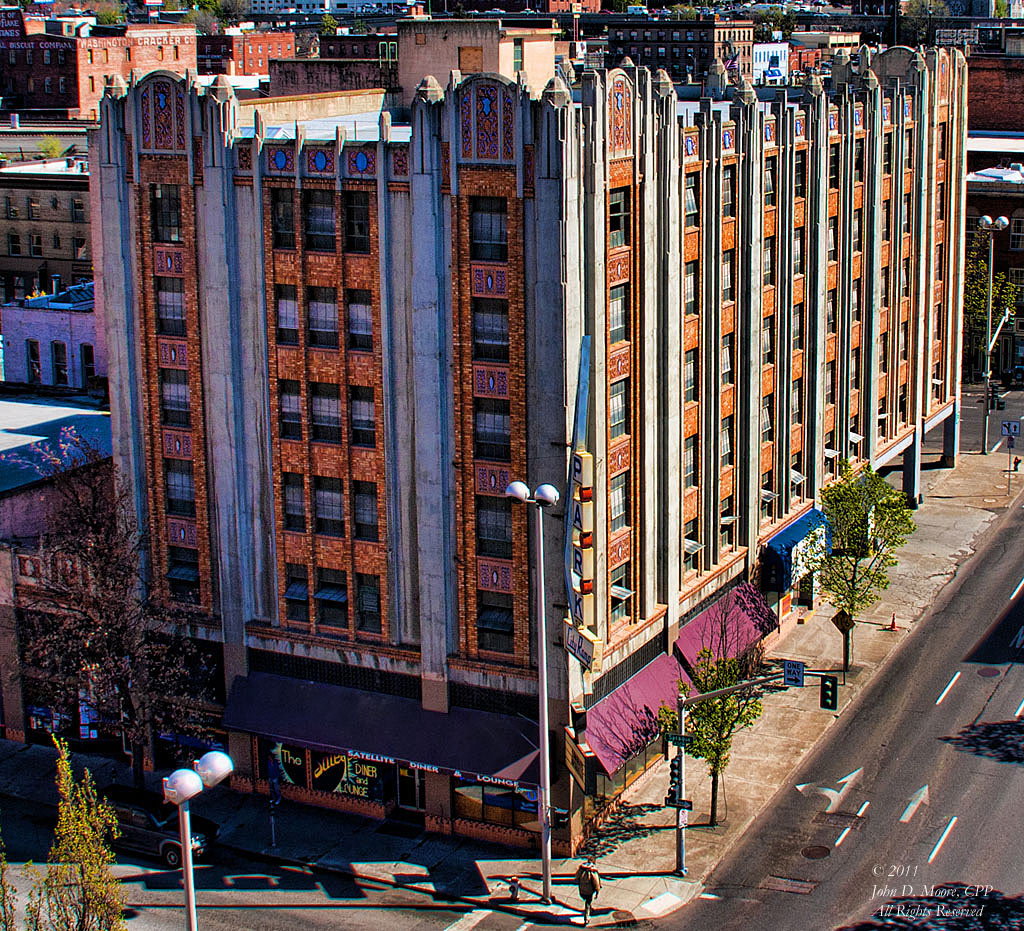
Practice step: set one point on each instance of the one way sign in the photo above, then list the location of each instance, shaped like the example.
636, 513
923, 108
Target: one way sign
793, 672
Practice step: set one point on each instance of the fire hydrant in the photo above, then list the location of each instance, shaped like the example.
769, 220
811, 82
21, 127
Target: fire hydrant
513, 889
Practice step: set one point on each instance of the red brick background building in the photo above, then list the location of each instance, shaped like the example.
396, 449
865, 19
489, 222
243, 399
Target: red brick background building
247, 53
62, 76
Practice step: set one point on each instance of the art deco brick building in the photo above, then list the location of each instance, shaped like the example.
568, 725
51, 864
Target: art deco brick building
331, 352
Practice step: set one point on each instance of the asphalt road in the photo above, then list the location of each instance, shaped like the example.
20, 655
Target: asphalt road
945, 714
237, 893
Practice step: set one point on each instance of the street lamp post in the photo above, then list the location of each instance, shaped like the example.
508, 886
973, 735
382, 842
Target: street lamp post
545, 496
989, 227
181, 786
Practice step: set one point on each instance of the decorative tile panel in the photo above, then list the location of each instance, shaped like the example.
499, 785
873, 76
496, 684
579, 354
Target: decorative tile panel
466, 124
173, 353
177, 444
147, 129
508, 127
618, 268
487, 121
489, 281
281, 158
244, 151
362, 162
831, 122
163, 115
197, 159
490, 381
168, 261
446, 165
528, 166
491, 480
619, 458
181, 532
129, 161
726, 138
494, 575
619, 551
319, 160
29, 567
858, 117
400, 161
179, 114
906, 108
618, 363
621, 115
799, 125
887, 111
769, 132
690, 146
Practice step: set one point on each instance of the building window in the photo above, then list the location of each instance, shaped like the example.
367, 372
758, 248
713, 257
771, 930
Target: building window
618, 501
767, 419
296, 594
290, 407
170, 306
618, 409
858, 230
692, 211
33, 208
619, 592
13, 212
318, 220
887, 220
59, 362
293, 486
725, 441
183, 574
78, 207
1017, 233
800, 174
34, 366
833, 167
490, 330
87, 358
325, 412
855, 301
618, 314
494, 622
908, 150
770, 174
360, 320
175, 398
940, 201
493, 527
690, 463
908, 214
858, 160
322, 308
618, 217
368, 603
690, 288
517, 55
492, 430
282, 217
286, 298
35, 245
768, 341
181, 491
691, 546
690, 375
728, 193
79, 247
728, 524
331, 597
726, 359
904, 340
832, 251
906, 277
798, 401
768, 495
364, 511
798, 326
357, 221
830, 311
887, 153
328, 506
48, 85
363, 413
13, 244
830, 382
488, 229
728, 289
769, 262
165, 208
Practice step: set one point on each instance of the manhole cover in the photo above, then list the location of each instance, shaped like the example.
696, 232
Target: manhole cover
817, 852
989, 672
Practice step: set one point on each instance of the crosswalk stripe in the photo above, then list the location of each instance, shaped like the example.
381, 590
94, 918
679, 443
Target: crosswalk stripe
469, 920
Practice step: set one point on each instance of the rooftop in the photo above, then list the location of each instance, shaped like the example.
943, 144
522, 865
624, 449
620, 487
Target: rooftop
50, 166
78, 297
1012, 175
995, 142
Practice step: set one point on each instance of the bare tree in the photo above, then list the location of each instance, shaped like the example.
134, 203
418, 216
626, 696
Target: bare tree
92, 631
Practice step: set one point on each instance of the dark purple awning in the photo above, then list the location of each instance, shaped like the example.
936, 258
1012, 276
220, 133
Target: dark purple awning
746, 617
464, 741
622, 724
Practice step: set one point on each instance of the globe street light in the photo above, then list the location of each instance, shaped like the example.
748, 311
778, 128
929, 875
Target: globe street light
989, 227
544, 497
179, 787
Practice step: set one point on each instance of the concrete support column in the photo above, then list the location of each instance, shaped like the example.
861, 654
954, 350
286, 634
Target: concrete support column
951, 436
912, 472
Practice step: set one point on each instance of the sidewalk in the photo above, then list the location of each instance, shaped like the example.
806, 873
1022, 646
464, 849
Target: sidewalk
636, 849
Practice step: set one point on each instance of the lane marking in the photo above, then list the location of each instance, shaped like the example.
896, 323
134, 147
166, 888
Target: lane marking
919, 798
942, 840
659, 905
952, 682
1020, 708
469, 920
1016, 591
1018, 641
708, 895
524, 926
842, 836
863, 808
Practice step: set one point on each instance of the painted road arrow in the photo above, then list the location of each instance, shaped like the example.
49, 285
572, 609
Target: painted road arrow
919, 798
835, 796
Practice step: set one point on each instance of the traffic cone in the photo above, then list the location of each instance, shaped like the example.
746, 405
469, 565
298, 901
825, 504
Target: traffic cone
892, 623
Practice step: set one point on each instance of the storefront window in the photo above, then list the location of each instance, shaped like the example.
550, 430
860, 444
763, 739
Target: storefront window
507, 805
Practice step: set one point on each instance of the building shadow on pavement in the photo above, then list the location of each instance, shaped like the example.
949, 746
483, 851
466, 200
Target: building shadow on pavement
1002, 741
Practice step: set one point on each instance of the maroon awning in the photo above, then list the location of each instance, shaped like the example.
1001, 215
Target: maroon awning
746, 617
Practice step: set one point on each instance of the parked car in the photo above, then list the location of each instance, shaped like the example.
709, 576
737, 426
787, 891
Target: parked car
149, 825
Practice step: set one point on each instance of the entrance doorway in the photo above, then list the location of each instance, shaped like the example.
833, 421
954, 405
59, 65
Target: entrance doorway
411, 788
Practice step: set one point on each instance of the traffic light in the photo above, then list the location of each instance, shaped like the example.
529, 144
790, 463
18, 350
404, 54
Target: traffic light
996, 402
675, 777
829, 696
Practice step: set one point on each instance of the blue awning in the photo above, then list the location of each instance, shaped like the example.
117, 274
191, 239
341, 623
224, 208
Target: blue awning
773, 73
785, 555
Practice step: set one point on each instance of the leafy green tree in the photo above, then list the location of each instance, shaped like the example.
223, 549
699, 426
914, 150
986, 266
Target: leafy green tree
8, 895
620, 6
204, 21
918, 19
109, 13
78, 890
685, 12
869, 521
1001, 9
328, 25
1004, 300
51, 147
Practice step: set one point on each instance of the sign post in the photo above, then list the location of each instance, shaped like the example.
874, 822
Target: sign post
682, 816
1011, 430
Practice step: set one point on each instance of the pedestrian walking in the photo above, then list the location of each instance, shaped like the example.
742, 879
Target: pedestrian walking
588, 879
274, 779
